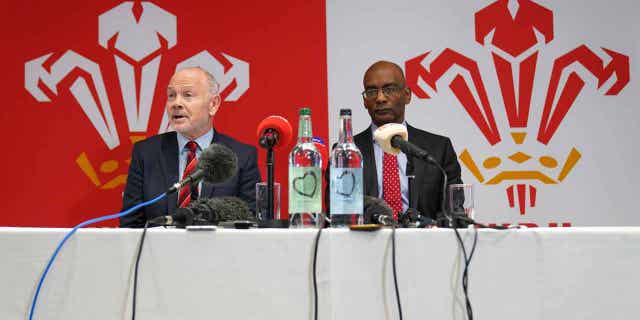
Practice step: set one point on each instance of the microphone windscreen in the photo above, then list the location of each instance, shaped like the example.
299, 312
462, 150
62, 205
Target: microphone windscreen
202, 211
183, 216
279, 124
218, 162
374, 206
230, 209
384, 134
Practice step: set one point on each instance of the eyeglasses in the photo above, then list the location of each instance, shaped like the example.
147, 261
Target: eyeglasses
388, 91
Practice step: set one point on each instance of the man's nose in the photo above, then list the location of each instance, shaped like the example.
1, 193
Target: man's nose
177, 103
381, 97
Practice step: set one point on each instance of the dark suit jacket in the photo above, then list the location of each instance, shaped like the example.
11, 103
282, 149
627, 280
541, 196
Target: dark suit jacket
154, 168
427, 192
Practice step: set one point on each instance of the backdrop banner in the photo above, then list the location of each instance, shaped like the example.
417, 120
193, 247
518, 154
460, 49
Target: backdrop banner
539, 98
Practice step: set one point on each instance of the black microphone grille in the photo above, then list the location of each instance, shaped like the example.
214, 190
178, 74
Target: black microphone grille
396, 141
218, 162
230, 209
375, 206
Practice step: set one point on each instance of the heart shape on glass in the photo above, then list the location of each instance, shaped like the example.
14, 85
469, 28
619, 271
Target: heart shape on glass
345, 191
299, 183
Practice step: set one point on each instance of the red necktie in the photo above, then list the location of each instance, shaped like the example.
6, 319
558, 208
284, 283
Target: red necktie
184, 198
391, 183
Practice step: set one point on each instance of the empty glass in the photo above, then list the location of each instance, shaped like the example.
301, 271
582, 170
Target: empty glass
461, 199
262, 205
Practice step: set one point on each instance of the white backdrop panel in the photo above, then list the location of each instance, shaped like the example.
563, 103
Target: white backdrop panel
602, 128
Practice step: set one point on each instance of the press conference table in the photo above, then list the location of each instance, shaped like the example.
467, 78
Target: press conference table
542, 273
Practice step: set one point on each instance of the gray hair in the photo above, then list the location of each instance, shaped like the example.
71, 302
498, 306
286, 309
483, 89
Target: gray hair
214, 86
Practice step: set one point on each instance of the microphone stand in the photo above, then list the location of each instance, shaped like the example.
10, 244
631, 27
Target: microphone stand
268, 141
408, 218
444, 218
270, 214
410, 179
412, 217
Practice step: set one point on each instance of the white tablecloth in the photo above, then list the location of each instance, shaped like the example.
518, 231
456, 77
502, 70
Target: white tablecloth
556, 273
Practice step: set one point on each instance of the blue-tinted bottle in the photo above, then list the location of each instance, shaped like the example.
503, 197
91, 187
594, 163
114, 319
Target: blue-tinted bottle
345, 191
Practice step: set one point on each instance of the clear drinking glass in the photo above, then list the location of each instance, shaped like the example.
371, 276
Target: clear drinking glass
461, 199
261, 202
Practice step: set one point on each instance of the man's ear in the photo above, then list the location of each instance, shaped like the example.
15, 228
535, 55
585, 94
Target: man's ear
214, 104
407, 94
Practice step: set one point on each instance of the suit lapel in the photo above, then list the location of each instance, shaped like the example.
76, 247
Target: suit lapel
169, 164
364, 141
208, 188
418, 168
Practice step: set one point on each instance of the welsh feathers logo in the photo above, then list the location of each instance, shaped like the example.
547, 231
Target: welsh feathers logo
137, 35
514, 32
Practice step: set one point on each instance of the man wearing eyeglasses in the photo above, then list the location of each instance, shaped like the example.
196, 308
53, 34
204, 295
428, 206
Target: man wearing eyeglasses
385, 96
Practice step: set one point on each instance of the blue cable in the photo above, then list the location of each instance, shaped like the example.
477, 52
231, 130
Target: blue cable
70, 233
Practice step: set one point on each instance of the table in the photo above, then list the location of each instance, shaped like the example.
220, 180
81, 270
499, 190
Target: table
538, 273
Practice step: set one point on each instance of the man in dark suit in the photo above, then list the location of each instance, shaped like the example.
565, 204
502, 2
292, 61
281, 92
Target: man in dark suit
158, 162
385, 96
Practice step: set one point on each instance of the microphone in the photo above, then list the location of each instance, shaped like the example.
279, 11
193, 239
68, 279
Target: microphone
232, 212
208, 211
392, 138
230, 209
182, 217
413, 219
216, 164
377, 210
196, 213
274, 132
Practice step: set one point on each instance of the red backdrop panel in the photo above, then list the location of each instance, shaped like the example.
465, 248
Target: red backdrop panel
284, 44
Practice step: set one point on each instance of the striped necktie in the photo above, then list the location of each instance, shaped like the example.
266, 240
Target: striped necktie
189, 191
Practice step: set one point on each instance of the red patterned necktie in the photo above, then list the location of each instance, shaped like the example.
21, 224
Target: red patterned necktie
391, 183
184, 198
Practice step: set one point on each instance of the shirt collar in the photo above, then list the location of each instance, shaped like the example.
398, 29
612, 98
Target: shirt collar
203, 141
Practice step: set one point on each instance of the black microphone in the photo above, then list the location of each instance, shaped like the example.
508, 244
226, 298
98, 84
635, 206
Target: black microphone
392, 138
232, 212
413, 219
377, 210
182, 217
208, 211
411, 149
199, 212
216, 164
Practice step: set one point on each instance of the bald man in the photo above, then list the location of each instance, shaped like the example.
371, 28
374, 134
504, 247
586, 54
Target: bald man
159, 161
385, 97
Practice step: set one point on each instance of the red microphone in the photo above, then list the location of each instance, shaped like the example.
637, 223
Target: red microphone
274, 132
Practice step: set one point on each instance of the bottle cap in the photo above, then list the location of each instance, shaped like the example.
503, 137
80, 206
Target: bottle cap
305, 112
345, 112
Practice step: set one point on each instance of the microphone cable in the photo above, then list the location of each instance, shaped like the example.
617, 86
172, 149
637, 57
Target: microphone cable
315, 280
135, 272
465, 273
393, 263
70, 233
453, 223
